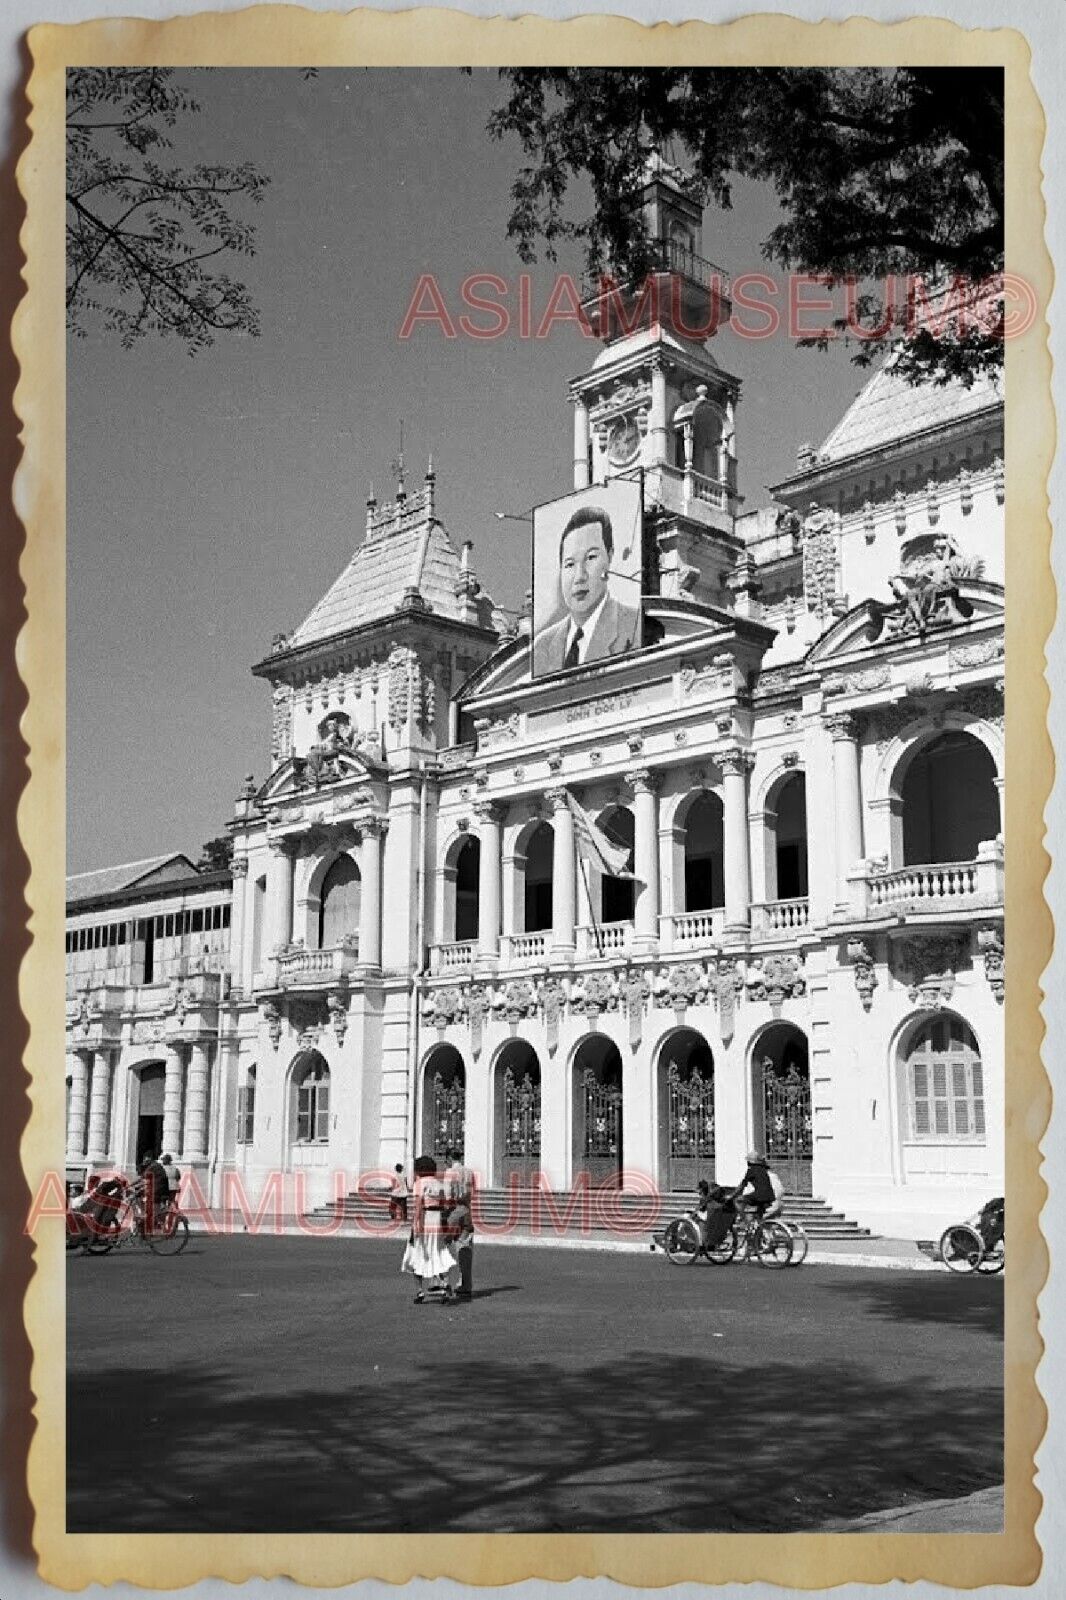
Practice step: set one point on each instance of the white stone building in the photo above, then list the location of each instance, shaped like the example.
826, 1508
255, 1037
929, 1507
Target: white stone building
806, 757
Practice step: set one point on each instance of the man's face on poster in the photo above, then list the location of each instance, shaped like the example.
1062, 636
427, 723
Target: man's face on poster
584, 568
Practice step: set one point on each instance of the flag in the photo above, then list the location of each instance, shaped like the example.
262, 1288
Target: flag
593, 845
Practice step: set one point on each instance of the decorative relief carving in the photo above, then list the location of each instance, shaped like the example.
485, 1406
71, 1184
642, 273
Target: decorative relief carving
734, 762
636, 991
841, 725
593, 993
999, 482
990, 944
681, 986
930, 960
337, 1006
790, 758
281, 728
478, 999
864, 681
984, 700
552, 1000
503, 730
699, 682
861, 958
961, 656
555, 760
516, 1001
776, 978
820, 539
443, 1008
272, 1017
399, 685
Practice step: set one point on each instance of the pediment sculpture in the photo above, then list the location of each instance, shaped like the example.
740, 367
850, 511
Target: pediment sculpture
926, 594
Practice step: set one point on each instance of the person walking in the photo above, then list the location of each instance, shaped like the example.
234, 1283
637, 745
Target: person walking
399, 1194
460, 1230
426, 1256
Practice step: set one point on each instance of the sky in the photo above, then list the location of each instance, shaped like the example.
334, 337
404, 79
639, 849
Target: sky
211, 500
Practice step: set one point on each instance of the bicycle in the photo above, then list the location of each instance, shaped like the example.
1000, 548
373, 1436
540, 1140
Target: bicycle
800, 1241
767, 1241
683, 1243
963, 1249
168, 1237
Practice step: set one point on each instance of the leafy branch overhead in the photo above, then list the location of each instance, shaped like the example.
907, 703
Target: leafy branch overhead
877, 171
149, 241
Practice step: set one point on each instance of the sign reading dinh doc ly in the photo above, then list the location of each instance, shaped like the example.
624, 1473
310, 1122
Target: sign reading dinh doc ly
587, 566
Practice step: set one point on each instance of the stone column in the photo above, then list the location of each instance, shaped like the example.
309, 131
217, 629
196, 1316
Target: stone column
100, 1107
194, 1142
564, 883
581, 442
172, 1085
78, 1110
489, 818
657, 423
847, 797
237, 920
370, 893
736, 765
646, 786
280, 879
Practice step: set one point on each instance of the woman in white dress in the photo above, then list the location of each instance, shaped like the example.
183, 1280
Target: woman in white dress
427, 1256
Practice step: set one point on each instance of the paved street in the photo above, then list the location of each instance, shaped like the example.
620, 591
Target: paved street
291, 1385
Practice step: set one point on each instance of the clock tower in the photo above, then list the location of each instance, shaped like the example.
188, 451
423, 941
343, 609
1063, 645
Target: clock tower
656, 402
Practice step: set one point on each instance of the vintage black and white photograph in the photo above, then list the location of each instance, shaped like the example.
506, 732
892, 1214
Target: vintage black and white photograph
535, 957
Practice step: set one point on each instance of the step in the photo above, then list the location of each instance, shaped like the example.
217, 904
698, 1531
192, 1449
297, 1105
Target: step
496, 1207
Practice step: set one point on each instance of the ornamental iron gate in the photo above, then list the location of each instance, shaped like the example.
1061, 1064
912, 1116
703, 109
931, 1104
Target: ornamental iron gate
448, 1109
690, 1126
787, 1128
603, 1129
521, 1125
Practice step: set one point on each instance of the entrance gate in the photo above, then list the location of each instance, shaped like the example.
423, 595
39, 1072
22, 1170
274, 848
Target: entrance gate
690, 1126
521, 1125
786, 1096
603, 1128
448, 1116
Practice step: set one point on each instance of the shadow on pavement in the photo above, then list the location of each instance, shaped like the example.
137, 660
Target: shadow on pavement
945, 1299
677, 1444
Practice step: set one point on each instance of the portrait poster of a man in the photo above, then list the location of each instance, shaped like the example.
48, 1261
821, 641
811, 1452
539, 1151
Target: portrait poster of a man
586, 577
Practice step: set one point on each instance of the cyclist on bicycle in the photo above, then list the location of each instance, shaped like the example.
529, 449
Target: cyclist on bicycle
152, 1190
715, 1213
764, 1198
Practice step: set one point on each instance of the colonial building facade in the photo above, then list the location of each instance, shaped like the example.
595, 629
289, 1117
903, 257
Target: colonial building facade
805, 760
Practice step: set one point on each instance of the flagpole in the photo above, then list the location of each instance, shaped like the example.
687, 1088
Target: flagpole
588, 897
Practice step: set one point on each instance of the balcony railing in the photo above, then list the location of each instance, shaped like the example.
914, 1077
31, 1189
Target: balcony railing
604, 939
776, 918
682, 489
455, 957
520, 949
932, 886
312, 968
687, 929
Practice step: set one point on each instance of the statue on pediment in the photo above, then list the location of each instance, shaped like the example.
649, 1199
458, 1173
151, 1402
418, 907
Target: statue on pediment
333, 753
926, 594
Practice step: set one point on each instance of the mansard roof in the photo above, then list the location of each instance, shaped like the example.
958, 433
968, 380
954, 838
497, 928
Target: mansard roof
147, 874
888, 409
406, 556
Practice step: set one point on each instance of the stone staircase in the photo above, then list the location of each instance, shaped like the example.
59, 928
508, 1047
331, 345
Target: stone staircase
599, 1214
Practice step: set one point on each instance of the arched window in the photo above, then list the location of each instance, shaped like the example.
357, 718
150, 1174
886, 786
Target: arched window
944, 1082
311, 1086
246, 1109
950, 801
618, 894
467, 876
540, 853
338, 912
704, 873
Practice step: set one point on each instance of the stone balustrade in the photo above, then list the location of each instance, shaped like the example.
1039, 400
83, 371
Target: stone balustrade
316, 968
929, 886
519, 949
457, 956
605, 939
687, 929
780, 918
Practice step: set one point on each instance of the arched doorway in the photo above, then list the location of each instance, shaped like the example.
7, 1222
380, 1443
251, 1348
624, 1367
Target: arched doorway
618, 895
949, 800
598, 1112
704, 858
517, 1113
686, 1110
444, 1106
781, 1092
150, 1089
540, 855
790, 840
467, 878
338, 911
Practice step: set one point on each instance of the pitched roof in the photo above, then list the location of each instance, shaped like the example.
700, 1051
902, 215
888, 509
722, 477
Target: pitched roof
888, 408
107, 881
406, 553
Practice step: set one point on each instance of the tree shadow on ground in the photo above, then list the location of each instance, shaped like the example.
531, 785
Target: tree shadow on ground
647, 1443
975, 1301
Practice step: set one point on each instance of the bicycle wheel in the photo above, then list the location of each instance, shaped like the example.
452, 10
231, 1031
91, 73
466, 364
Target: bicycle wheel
961, 1248
800, 1243
681, 1241
101, 1240
724, 1251
993, 1260
170, 1238
773, 1245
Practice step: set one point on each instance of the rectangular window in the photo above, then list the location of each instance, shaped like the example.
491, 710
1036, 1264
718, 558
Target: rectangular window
946, 1099
246, 1113
197, 922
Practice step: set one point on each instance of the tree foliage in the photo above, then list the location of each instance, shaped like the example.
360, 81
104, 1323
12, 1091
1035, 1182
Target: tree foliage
149, 240
878, 172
